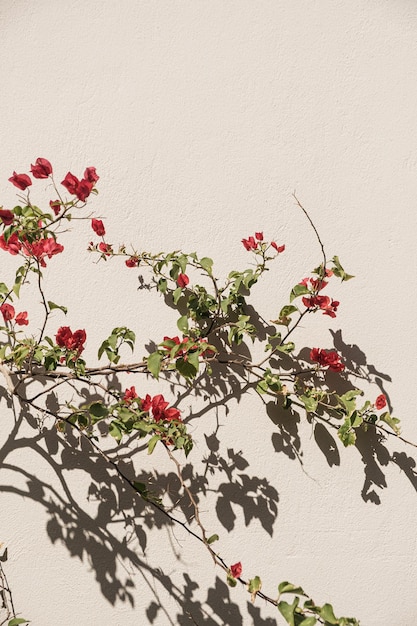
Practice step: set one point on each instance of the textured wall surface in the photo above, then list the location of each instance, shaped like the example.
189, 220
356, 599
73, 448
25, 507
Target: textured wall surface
202, 118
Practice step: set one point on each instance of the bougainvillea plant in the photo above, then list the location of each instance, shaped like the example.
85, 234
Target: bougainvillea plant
213, 321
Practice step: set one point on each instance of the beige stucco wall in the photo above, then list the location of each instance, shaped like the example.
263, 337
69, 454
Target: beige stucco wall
202, 118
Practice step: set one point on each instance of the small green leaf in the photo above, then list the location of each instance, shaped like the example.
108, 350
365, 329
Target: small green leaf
287, 610
97, 409
18, 620
286, 587
154, 364
207, 264
326, 613
176, 295
53, 306
298, 290
232, 582
212, 539
310, 403
308, 621
152, 443
182, 324
254, 585
391, 421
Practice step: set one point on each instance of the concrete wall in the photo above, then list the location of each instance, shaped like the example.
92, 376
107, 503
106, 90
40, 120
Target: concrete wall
202, 118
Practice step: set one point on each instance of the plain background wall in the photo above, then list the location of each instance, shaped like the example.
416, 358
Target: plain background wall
202, 118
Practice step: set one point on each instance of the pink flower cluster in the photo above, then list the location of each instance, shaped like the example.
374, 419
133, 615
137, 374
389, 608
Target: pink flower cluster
8, 312
157, 405
328, 359
253, 243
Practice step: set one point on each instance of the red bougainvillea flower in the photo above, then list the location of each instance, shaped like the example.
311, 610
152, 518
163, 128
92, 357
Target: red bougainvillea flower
21, 181
6, 217
380, 402
42, 248
83, 190
328, 359
98, 227
278, 248
236, 570
328, 306
55, 206
250, 243
159, 408
65, 338
12, 245
91, 175
182, 280
129, 395
105, 248
71, 183
41, 169
22, 319
7, 310
132, 262
259, 236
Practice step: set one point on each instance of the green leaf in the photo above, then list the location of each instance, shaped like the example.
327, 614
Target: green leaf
287, 348
115, 431
339, 271
53, 306
18, 620
310, 403
309, 621
182, 324
207, 264
97, 409
187, 368
286, 587
254, 585
212, 539
176, 295
326, 613
232, 582
152, 443
154, 364
287, 310
4, 288
287, 610
298, 290
391, 421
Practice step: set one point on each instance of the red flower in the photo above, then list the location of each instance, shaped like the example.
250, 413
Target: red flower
7, 310
146, 403
250, 243
380, 402
259, 236
22, 319
12, 245
130, 394
236, 570
65, 338
328, 359
278, 248
22, 181
6, 217
159, 407
42, 169
182, 280
71, 183
83, 189
98, 227
132, 262
105, 248
42, 248
91, 175
329, 307
55, 206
